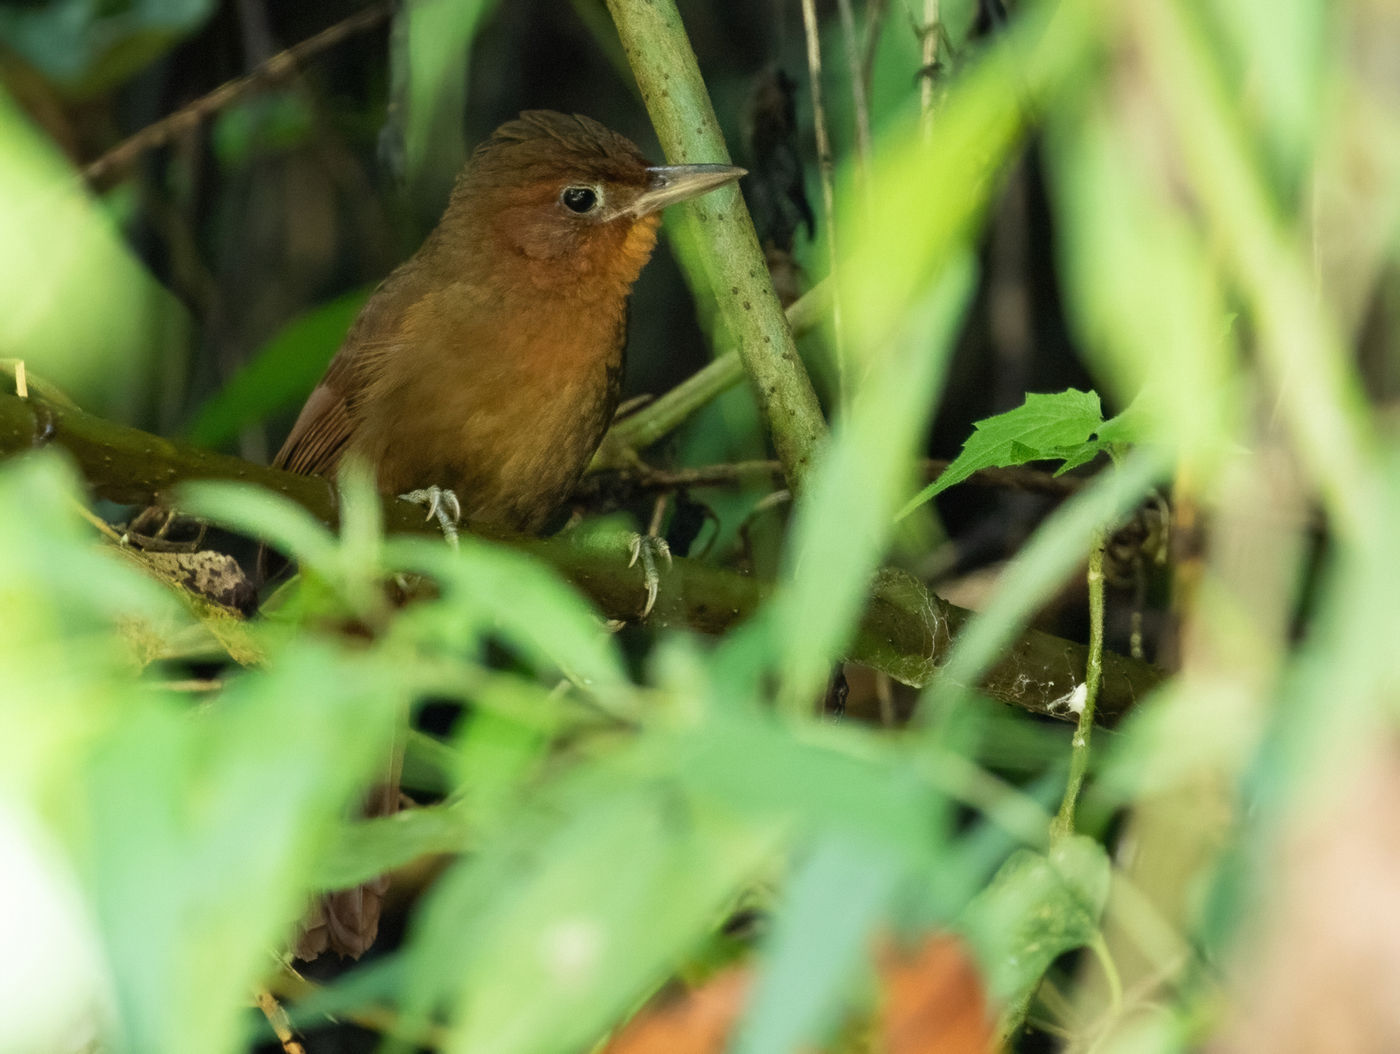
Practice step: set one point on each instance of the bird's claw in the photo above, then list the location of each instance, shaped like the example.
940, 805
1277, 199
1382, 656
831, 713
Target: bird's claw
646, 548
443, 505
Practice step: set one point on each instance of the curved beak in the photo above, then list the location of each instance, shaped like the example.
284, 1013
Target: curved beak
668, 184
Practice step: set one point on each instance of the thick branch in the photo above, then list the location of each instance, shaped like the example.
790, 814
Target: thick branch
133, 467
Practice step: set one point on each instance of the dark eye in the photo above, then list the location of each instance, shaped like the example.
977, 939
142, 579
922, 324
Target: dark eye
579, 199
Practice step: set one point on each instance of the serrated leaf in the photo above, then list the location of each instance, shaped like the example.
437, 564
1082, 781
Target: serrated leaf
1037, 907
1044, 427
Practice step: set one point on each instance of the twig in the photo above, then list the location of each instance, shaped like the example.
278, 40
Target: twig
289, 984
824, 169
665, 68
639, 476
1063, 824
859, 95
277, 1018
191, 115
874, 16
930, 32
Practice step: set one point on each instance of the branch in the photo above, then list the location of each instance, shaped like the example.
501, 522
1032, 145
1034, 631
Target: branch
132, 467
639, 478
278, 67
675, 96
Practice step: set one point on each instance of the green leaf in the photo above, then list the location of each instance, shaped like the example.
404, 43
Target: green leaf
371, 847
429, 60
88, 46
1037, 907
200, 829
281, 373
264, 515
819, 945
77, 305
606, 889
489, 589
1043, 428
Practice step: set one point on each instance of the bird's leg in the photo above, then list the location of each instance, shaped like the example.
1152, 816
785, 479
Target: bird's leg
648, 549
443, 505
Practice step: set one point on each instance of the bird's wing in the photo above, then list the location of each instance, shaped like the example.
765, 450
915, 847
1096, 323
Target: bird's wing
326, 423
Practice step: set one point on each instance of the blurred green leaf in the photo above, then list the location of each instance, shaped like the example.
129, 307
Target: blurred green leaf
66, 599
428, 764
204, 828
264, 515
489, 589
837, 543
368, 848
819, 944
430, 49
54, 991
91, 46
1281, 50
603, 900
281, 374
1038, 907
76, 304
1155, 321
269, 123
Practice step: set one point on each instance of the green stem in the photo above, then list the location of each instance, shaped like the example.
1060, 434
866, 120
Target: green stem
640, 430
1063, 824
664, 65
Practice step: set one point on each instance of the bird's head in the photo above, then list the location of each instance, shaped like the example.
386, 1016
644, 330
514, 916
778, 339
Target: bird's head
569, 203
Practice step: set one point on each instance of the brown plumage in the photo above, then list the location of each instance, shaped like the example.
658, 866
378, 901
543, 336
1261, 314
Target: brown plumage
489, 363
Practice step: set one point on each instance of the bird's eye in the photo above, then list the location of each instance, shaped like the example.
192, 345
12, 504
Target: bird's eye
579, 199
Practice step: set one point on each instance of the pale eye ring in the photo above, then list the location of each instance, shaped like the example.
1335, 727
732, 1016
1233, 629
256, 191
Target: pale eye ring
581, 200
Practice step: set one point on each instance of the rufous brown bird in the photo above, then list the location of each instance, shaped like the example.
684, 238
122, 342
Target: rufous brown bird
481, 375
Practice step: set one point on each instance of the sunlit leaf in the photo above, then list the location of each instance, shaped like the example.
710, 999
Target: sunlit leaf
1043, 428
76, 304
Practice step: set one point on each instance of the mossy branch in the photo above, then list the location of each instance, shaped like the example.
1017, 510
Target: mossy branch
674, 92
133, 467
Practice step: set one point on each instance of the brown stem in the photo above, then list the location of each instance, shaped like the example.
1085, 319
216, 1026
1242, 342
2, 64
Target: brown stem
278, 67
640, 478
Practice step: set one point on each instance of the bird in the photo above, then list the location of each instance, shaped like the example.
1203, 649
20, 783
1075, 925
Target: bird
481, 375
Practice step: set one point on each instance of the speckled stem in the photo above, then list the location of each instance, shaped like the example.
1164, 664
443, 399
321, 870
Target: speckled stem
664, 64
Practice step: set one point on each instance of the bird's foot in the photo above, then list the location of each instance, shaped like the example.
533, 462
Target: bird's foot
648, 549
443, 505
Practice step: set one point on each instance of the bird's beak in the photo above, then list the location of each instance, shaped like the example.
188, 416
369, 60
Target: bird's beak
668, 184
